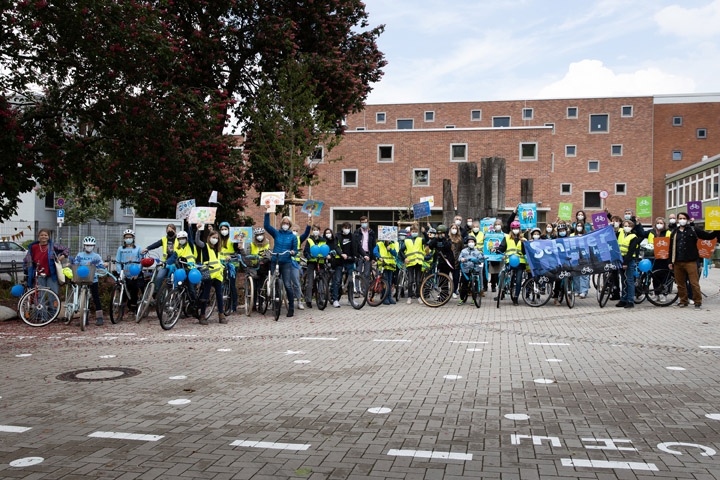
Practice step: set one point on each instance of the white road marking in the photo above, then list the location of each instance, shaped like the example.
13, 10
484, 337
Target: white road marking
431, 454
517, 416
710, 346
553, 360
318, 338
107, 356
679, 369
464, 341
13, 428
570, 462
26, 462
548, 343
127, 436
301, 361
379, 410
474, 349
543, 380
22, 355
224, 350
452, 377
179, 401
292, 352
178, 377
713, 416
270, 445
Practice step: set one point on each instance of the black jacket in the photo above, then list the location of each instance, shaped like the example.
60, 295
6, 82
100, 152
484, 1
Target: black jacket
683, 243
357, 240
345, 245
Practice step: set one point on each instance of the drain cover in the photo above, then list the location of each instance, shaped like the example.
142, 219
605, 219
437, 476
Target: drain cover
101, 374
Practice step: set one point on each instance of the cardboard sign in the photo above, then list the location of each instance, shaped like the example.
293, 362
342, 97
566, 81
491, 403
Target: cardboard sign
643, 207
565, 211
430, 199
487, 225
240, 234
694, 210
527, 215
661, 247
712, 218
312, 207
270, 200
202, 215
421, 210
706, 248
387, 232
599, 220
182, 209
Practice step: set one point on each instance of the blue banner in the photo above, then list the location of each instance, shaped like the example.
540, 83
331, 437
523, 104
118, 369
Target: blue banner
595, 252
527, 215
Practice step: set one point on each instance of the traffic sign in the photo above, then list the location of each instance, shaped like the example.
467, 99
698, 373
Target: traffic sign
60, 213
604, 194
60, 202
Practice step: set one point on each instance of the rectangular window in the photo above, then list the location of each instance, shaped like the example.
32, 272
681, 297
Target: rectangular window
458, 152
591, 200
616, 150
620, 188
677, 121
677, 155
380, 117
405, 124
129, 212
360, 129
421, 177
50, 201
528, 151
626, 111
702, 133
349, 178
429, 116
572, 112
449, 126
475, 115
599, 123
551, 125
385, 154
317, 156
566, 189
570, 150
593, 165
527, 113
501, 122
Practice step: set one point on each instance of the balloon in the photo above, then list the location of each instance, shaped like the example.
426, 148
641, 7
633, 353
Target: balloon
135, 270
314, 251
645, 265
147, 262
17, 290
67, 271
180, 275
83, 271
514, 261
324, 250
194, 276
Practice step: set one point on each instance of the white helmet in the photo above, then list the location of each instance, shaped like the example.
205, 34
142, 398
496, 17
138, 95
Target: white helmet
129, 232
89, 241
182, 234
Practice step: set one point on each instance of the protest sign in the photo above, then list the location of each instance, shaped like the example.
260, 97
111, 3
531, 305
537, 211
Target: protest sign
182, 209
202, 215
312, 207
643, 207
387, 232
490, 243
599, 220
421, 210
565, 211
527, 215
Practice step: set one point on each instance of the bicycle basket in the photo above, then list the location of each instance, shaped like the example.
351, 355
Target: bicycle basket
87, 279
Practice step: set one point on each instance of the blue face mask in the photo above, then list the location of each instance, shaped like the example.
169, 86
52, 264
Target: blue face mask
129, 241
562, 234
364, 225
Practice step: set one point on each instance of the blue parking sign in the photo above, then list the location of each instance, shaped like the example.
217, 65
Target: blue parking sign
60, 213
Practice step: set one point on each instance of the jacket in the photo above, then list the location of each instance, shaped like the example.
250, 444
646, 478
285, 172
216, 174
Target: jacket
357, 237
683, 243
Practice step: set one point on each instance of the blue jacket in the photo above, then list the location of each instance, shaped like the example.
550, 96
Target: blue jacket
284, 240
54, 250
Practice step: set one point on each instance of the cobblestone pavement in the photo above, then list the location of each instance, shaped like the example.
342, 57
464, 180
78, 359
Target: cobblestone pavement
398, 392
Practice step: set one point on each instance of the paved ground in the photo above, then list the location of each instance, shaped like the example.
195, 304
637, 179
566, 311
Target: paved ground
633, 394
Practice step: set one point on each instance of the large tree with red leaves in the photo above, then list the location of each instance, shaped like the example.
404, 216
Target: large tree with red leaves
135, 98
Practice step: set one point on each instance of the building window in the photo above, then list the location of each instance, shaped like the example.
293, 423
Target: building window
429, 116
50, 201
405, 124
526, 190
594, 166
449, 126
572, 112
360, 129
129, 212
620, 188
677, 155
458, 152
317, 156
380, 117
616, 150
385, 154
702, 133
475, 115
677, 121
528, 151
552, 125
349, 178
527, 113
501, 122
599, 123
566, 189
421, 177
626, 111
591, 200
570, 150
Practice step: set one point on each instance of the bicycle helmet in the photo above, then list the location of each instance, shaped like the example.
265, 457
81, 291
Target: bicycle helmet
259, 231
561, 226
432, 231
182, 234
470, 238
225, 224
129, 232
441, 228
89, 241
535, 230
515, 224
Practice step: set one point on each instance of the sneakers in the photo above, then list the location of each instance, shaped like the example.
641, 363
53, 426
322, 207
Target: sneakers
99, 322
455, 295
336, 304
691, 302
301, 306
420, 300
461, 302
409, 300
630, 305
203, 320
582, 295
308, 304
621, 303
682, 305
698, 306
222, 318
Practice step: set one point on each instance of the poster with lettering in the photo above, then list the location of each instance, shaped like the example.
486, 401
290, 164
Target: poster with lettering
695, 210
527, 215
712, 218
312, 207
643, 207
421, 210
491, 242
202, 215
486, 225
241, 234
182, 209
565, 211
599, 220
387, 232
706, 248
661, 247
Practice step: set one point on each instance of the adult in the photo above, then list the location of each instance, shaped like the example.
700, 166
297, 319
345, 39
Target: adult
364, 240
629, 244
458, 244
684, 257
285, 241
41, 255
228, 249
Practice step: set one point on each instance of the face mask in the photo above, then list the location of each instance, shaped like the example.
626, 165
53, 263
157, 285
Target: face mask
171, 234
536, 236
627, 229
562, 234
579, 228
581, 217
316, 233
672, 221
224, 232
469, 224
285, 227
214, 240
89, 248
414, 234
616, 224
627, 216
498, 228
659, 226
346, 231
548, 229
682, 222
471, 245
458, 222
182, 241
516, 231
476, 229
364, 225
260, 238
129, 241
430, 235
328, 236
453, 231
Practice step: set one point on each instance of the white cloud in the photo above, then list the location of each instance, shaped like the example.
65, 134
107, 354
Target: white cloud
690, 22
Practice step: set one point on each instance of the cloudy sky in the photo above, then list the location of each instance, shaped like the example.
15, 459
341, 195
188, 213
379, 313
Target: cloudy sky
465, 50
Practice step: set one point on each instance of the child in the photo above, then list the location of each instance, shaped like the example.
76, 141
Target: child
471, 260
386, 255
128, 253
89, 257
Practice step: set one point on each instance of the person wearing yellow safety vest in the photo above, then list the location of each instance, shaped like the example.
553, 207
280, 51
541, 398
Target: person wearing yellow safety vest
297, 289
386, 254
314, 240
412, 254
168, 244
659, 231
227, 249
512, 244
629, 244
258, 248
209, 255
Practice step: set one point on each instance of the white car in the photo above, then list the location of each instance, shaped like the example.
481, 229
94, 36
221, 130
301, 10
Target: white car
10, 251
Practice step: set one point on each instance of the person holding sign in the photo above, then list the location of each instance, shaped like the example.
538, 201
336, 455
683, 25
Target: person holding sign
629, 244
660, 262
512, 244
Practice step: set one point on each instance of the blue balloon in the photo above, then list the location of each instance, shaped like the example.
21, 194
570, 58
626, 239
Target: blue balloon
324, 250
514, 261
314, 251
17, 290
194, 276
83, 271
645, 265
135, 270
180, 275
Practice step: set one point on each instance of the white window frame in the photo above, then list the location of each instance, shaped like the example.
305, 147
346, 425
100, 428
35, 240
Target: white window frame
384, 119
397, 126
128, 212
678, 159
502, 116
570, 154
392, 153
479, 119
585, 207
529, 110
622, 111
577, 113
551, 125
598, 132
452, 158
613, 154
704, 130
316, 161
414, 177
598, 166
349, 185
679, 123
432, 113
569, 192
624, 189
528, 159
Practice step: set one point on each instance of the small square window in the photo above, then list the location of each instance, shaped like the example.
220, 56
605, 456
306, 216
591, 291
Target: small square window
360, 129
349, 178
317, 156
677, 121
380, 117
429, 116
626, 111
50, 201
593, 165
501, 122
551, 125
677, 155
128, 212
599, 123
527, 113
570, 150
591, 200
449, 126
566, 189
572, 112
702, 133
458, 152
421, 177
475, 115
616, 150
405, 124
620, 188
528, 151
385, 154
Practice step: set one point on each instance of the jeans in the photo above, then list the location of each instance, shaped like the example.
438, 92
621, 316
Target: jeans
95, 292
212, 283
309, 280
49, 282
627, 276
288, 273
337, 278
581, 284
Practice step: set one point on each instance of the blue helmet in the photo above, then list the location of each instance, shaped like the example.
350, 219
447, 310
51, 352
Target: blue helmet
225, 224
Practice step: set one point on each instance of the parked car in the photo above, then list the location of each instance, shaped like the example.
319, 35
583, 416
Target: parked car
10, 251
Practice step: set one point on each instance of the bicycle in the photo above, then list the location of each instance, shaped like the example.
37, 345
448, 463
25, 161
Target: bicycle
321, 282
536, 291
436, 288
229, 276
249, 267
475, 279
378, 289
179, 299
658, 286
506, 281
401, 286
607, 284
77, 294
150, 268
567, 288
272, 291
38, 306
120, 293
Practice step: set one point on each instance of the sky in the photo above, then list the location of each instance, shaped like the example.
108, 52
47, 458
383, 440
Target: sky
477, 50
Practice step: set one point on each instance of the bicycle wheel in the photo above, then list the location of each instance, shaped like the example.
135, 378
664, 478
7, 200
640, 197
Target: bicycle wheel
595, 278
171, 307
117, 309
321, 292
501, 286
642, 285
249, 294
69, 307
401, 284
666, 291
569, 293
144, 307
536, 291
356, 287
277, 299
39, 307
84, 302
604, 287
263, 296
227, 294
476, 293
212, 303
377, 292
436, 290
163, 292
